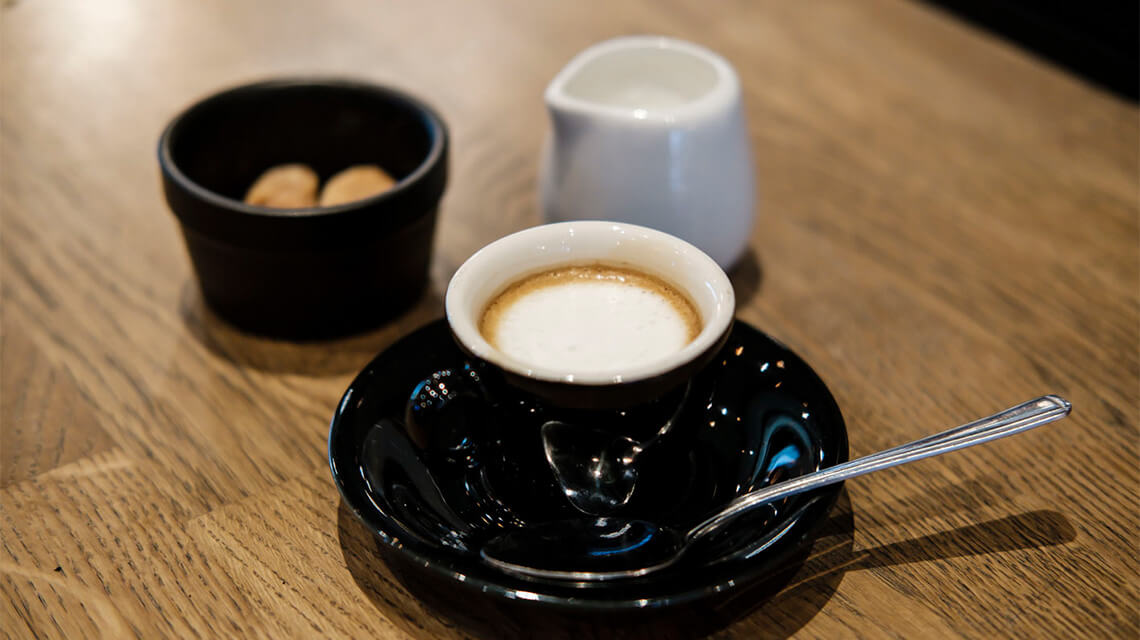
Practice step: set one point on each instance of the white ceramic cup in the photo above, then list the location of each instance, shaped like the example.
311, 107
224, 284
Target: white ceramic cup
498, 265
651, 131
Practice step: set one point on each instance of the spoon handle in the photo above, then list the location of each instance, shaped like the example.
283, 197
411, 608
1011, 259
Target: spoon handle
1023, 417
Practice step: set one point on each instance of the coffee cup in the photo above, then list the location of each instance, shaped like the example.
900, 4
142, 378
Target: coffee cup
591, 314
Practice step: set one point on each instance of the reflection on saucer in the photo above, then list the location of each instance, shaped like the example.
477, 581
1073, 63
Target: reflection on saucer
438, 461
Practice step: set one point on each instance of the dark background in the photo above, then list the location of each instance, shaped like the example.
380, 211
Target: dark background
1096, 40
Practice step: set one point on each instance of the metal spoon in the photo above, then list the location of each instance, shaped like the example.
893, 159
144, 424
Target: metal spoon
612, 548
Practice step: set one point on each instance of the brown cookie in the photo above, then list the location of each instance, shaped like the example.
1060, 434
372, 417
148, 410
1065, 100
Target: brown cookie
286, 186
355, 183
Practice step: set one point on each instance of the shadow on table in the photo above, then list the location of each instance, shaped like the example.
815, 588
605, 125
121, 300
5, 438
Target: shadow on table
747, 276
774, 607
314, 357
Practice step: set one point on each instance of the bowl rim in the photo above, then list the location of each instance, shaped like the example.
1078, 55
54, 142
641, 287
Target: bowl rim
437, 130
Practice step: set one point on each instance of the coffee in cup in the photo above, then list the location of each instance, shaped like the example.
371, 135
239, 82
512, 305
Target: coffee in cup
589, 317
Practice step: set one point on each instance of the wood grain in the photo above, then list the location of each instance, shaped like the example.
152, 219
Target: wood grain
948, 226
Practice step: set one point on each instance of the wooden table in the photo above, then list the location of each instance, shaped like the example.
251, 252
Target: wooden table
948, 226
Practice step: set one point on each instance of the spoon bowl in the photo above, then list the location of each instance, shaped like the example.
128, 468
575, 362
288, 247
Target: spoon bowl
585, 550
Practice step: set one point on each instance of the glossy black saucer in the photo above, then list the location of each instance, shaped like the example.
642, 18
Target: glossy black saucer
437, 458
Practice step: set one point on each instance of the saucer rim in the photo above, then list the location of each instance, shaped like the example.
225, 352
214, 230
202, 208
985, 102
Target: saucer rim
825, 500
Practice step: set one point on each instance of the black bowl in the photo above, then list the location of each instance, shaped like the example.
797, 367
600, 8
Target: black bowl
315, 272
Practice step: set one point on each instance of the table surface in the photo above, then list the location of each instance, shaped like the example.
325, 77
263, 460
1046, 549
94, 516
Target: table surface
948, 226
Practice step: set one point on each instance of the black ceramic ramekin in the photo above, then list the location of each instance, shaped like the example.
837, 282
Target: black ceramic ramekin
315, 272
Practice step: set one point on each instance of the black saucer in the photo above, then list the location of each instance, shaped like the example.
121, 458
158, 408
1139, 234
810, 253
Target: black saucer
436, 460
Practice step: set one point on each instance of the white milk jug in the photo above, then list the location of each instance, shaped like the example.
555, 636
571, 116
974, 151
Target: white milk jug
651, 131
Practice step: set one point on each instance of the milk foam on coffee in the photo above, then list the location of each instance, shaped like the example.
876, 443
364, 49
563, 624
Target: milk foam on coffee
590, 318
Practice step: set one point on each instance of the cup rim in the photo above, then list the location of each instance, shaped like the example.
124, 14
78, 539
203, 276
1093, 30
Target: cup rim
535, 239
